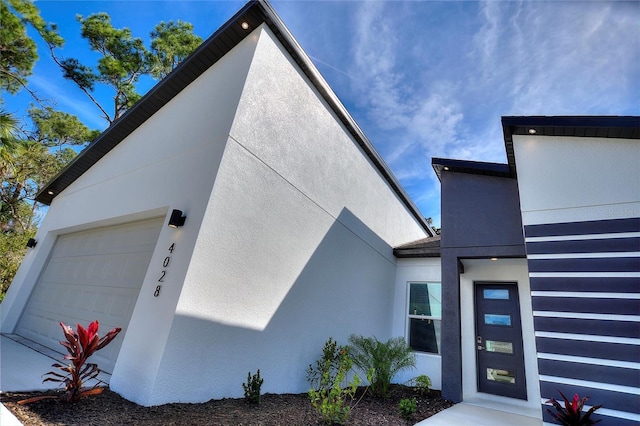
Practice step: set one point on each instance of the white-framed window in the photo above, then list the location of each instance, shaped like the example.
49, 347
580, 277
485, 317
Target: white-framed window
424, 310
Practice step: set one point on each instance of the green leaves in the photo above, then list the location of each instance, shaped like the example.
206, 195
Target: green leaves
332, 395
18, 52
124, 59
55, 128
381, 361
172, 43
252, 388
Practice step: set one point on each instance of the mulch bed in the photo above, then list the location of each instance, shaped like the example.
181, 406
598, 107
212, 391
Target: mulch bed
109, 409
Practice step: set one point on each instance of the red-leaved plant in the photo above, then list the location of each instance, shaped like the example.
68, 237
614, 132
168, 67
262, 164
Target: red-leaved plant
571, 413
80, 344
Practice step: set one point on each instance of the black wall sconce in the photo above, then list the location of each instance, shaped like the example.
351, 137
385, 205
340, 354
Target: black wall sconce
32, 243
176, 219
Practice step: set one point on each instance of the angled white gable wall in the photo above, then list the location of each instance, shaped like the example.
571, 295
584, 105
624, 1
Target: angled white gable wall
295, 245
169, 162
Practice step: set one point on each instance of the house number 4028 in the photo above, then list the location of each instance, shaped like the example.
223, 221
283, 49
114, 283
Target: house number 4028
165, 265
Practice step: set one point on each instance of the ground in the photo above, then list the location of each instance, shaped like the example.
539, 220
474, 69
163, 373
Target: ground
290, 409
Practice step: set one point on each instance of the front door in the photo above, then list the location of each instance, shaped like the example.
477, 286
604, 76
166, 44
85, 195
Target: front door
499, 354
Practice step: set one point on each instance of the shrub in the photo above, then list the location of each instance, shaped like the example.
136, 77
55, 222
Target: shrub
80, 344
422, 384
381, 361
252, 387
571, 413
407, 407
332, 394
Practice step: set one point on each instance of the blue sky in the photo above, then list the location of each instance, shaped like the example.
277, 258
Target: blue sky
423, 79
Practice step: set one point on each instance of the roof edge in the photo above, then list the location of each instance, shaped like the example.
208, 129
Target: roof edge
441, 165
208, 53
596, 126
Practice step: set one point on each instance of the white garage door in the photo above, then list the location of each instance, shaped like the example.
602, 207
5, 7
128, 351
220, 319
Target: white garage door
91, 275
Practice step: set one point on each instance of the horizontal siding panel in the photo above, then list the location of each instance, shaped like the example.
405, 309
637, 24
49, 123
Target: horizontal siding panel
595, 373
587, 305
605, 420
588, 326
610, 264
601, 350
583, 228
599, 284
607, 245
619, 401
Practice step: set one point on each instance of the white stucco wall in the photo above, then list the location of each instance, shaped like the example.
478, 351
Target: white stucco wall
296, 246
288, 239
569, 179
502, 270
416, 271
169, 162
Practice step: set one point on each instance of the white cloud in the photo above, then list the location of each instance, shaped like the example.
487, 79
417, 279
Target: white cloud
559, 57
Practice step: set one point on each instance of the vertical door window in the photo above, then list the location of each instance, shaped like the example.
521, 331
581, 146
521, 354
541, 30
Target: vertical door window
424, 317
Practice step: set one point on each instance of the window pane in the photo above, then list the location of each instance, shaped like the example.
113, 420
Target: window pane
502, 376
500, 347
424, 335
502, 294
424, 299
495, 319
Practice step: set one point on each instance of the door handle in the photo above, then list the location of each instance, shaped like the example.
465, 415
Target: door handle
480, 347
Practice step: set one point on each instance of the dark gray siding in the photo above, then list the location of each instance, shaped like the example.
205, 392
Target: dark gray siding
480, 219
585, 282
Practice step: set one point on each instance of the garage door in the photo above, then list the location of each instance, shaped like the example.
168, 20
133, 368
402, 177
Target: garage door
91, 275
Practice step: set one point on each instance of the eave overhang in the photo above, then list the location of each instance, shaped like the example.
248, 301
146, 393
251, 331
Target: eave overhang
620, 127
441, 165
230, 34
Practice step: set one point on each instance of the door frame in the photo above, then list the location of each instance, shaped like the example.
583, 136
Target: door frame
512, 270
511, 332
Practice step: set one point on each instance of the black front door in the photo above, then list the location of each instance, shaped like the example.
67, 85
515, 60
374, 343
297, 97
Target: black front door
500, 358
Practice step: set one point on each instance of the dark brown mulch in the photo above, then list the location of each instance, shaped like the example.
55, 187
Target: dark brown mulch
289, 409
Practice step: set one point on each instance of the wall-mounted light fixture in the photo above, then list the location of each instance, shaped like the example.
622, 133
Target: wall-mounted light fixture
176, 219
32, 243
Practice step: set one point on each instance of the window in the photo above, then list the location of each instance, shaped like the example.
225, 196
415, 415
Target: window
425, 314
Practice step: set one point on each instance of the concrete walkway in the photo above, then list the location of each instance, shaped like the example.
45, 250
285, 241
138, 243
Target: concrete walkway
22, 365
21, 369
463, 414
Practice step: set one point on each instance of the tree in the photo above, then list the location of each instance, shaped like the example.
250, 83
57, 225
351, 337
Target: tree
35, 157
125, 59
171, 43
18, 51
30, 158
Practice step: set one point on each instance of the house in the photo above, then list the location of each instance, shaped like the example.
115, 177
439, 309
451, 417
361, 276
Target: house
284, 217
541, 268
237, 217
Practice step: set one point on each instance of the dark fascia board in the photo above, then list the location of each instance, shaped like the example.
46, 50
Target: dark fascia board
230, 34
441, 165
620, 127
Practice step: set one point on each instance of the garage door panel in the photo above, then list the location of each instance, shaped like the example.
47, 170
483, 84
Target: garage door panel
91, 275
141, 238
